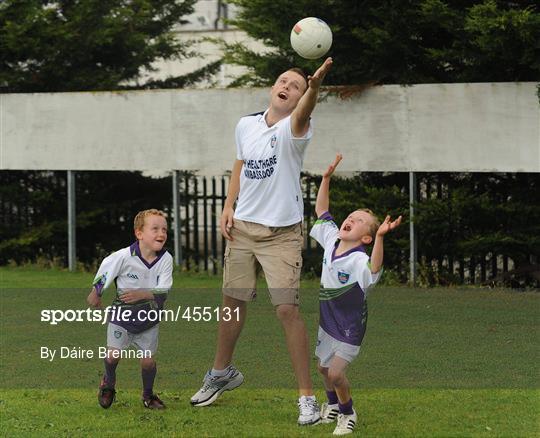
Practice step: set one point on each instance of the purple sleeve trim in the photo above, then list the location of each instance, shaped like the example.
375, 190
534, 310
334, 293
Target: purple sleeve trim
99, 289
99, 284
326, 216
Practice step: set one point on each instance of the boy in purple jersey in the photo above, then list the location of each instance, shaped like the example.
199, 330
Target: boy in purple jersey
347, 274
142, 273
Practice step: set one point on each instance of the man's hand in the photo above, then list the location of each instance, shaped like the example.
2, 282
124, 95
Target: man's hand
226, 223
132, 296
93, 299
332, 166
316, 80
387, 226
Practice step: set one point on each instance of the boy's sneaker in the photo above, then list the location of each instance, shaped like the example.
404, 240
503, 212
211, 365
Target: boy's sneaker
153, 402
329, 412
106, 395
309, 411
214, 386
345, 424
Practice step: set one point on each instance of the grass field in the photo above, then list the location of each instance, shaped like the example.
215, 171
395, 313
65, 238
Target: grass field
435, 362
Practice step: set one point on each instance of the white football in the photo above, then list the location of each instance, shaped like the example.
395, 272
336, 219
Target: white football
311, 38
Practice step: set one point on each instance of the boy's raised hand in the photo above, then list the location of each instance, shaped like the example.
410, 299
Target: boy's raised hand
332, 166
387, 226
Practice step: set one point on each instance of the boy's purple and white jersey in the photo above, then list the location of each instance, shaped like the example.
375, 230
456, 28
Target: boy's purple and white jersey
128, 270
345, 281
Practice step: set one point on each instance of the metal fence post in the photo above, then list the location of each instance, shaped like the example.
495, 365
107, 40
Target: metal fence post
176, 220
72, 219
413, 242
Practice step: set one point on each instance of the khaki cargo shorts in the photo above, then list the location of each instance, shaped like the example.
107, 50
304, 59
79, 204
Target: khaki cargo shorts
277, 250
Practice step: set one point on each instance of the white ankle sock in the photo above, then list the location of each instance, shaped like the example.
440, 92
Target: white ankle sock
218, 373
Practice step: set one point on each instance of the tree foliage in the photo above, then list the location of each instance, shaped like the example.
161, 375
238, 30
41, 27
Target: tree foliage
397, 41
79, 45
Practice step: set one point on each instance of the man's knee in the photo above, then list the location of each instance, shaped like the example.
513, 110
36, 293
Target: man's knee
287, 312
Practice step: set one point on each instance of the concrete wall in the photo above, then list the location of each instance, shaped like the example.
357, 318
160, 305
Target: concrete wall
442, 127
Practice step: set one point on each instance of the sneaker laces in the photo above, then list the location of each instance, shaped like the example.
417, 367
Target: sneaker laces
209, 379
326, 409
307, 405
343, 421
208, 382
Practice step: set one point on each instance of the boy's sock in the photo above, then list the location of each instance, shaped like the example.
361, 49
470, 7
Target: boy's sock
148, 376
332, 397
346, 409
110, 372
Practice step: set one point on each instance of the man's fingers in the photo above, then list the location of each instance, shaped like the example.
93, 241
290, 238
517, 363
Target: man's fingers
226, 227
225, 232
324, 68
326, 64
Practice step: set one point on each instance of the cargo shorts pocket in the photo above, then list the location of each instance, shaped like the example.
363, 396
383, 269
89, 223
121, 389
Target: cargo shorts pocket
293, 268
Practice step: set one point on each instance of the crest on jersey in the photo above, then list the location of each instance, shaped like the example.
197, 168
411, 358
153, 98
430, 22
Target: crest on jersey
117, 334
343, 277
273, 141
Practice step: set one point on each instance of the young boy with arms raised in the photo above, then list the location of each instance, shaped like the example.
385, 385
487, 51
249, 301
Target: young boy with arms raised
347, 274
142, 274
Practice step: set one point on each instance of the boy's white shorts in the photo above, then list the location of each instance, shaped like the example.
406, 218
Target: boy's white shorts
328, 347
119, 338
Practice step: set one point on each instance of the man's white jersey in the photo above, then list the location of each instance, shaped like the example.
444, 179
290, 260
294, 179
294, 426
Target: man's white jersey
270, 192
128, 270
345, 281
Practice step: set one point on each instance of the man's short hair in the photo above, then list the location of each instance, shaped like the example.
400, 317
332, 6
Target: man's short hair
138, 222
299, 71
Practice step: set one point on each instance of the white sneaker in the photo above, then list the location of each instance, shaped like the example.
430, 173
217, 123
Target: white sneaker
214, 386
309, 411
329, 412
345, 424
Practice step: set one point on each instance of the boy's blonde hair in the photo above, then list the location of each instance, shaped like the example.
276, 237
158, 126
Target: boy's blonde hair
138, 222
375, 224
